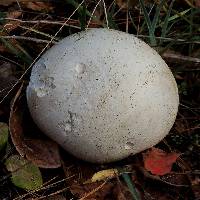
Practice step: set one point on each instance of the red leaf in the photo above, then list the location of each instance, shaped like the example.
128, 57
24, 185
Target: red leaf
159, 162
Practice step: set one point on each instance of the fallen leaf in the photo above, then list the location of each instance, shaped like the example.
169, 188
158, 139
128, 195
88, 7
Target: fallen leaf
15, 124
38, 6
9, 2
3, 135
123, 4
11, 25
25, 175
6, 2
104, 174
7, 78
14, 14
159, 162
42, 152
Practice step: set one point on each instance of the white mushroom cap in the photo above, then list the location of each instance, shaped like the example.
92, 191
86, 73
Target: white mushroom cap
103, 95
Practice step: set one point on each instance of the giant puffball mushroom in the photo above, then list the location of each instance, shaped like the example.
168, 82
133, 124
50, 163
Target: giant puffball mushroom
103, 95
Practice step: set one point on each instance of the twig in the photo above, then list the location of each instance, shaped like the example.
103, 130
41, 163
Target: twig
38, 32
176, 57
27, 38
41, 22
104, 5
8, 59
40, 189
170, 39
92, 13
20, 8
148, 175
127, 17
93, 191
52, 194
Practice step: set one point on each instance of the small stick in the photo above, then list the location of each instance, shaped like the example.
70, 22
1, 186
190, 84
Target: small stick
40, 22
27, 38
176, 57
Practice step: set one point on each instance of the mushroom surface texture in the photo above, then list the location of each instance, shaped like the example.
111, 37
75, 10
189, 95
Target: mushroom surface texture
103, 95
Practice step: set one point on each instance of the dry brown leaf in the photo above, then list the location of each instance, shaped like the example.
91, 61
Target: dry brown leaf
6, 2
42, 152
14, 14
11, 25
123, 3
33, 5
38, 6
9, 2
15, 124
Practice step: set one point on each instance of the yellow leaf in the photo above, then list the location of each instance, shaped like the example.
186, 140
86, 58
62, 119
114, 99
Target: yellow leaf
104, 174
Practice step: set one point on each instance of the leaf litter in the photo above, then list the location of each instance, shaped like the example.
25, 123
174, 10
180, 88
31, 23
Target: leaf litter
24, 174
107, 185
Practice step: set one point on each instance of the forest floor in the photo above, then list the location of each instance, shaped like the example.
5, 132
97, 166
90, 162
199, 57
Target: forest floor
27, 29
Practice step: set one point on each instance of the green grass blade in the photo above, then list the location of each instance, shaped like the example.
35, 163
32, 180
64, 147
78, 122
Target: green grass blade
149, 24
19, 52
88, 13
2, 16
166, 20
131, 186
178, 15
82, 17
133, 23
24, 174
111, 22
146, 16
157, 14
191, 31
